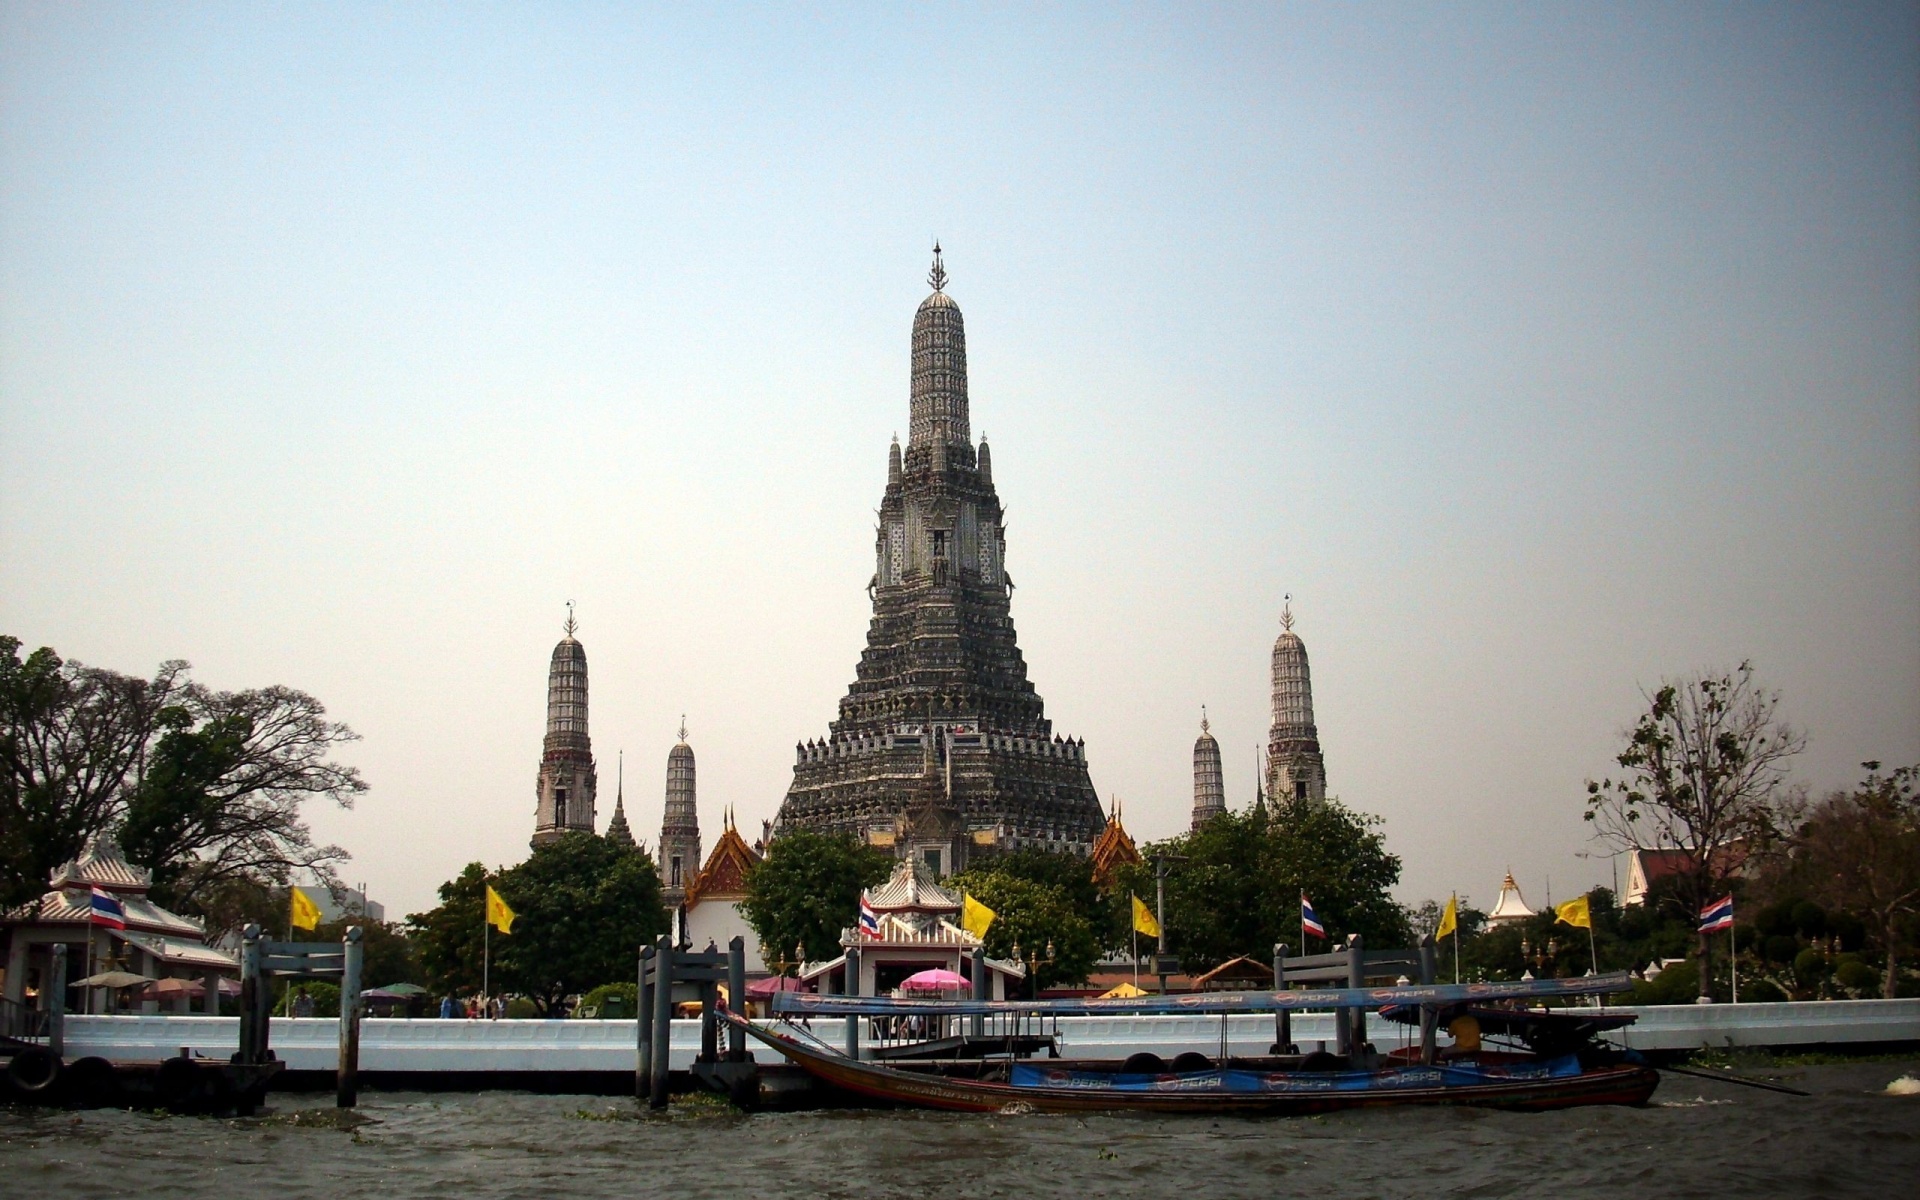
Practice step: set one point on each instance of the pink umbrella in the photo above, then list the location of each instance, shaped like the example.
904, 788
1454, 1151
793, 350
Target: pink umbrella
760, 989
935, 981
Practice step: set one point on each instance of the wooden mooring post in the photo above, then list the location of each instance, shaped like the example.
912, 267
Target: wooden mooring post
262, 960
662, 1022
643, 1028
1356, 978
1282, 1018
1429, 1015
56, 992
853, 989
347, 1082
737, 998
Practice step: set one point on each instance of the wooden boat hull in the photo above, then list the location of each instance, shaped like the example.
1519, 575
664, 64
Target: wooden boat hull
1625, 1084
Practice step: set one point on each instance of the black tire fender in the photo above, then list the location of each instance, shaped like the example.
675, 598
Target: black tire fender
34, 1070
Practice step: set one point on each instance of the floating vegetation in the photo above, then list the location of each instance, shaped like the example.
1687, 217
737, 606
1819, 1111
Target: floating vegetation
346, 1119
1759, 1058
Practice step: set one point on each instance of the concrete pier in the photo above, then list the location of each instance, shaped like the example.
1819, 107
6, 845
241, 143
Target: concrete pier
495, 1053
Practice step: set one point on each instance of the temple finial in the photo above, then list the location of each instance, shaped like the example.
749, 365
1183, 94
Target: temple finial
683, 727
1286, 612
1203, 719
571, 623
937, 278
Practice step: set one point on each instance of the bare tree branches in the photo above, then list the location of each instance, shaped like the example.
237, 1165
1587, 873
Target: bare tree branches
72, 740
1860, 851
204, 787
1705, 769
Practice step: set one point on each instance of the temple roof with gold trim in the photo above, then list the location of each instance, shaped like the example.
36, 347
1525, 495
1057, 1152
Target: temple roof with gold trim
724, 877
1113, 849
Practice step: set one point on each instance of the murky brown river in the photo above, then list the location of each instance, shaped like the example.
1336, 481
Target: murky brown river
1699, 1138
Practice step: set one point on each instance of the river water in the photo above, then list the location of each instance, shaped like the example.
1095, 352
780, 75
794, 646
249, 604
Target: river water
1699, 1138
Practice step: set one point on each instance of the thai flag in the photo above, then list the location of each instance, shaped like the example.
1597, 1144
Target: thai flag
1717, 916
869, 919
107, 911
1308, 922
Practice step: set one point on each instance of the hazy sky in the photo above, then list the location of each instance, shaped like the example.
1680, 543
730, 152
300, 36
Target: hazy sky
1539, 352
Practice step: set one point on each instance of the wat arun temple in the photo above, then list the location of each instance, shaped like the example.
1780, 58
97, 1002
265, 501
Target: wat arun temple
942, 747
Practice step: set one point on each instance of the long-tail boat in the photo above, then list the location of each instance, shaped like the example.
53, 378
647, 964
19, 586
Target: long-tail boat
1574, 1069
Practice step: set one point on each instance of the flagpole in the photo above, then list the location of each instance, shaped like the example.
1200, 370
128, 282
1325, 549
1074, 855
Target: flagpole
1453, 902
1733, 964
486, 952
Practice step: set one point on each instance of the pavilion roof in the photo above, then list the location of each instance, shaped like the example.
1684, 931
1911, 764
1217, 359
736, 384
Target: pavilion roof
1511, 906
102, 865
912, 888
1236, 970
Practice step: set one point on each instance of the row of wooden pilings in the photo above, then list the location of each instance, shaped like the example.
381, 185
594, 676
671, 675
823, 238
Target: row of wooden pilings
261, 961
1350, 966
698, 974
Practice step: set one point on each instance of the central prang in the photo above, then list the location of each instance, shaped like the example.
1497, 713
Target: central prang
942, 746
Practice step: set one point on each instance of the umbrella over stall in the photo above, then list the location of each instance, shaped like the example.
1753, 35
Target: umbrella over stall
114, 979
937, 980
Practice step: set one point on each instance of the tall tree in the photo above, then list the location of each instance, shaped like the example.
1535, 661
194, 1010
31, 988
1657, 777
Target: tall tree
220, 797
1031, 919
1706, 768
808, 889
1859, 852
1233, 885
204, 787
582, 908
447, 939
72, 739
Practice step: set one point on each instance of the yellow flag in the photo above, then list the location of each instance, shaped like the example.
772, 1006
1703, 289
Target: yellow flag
306, 914
1573, 912
1143, 921
498, 914
1450, 919
975, 916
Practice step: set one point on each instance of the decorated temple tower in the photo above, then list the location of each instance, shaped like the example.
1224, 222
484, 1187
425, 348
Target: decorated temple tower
618, 831
1209, 786
941, 745
680, 826
1295, 769
564, 789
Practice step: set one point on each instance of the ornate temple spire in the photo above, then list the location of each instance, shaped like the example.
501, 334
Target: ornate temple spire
938, 393
941, 748
617, 831
1295, 769
1209, 786
680, 826
565, 786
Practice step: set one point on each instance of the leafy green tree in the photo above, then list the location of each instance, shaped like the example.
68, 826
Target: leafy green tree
1233, 885
808, 889
1034, 917
71, 741
582, 908
204, 788
447, 939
